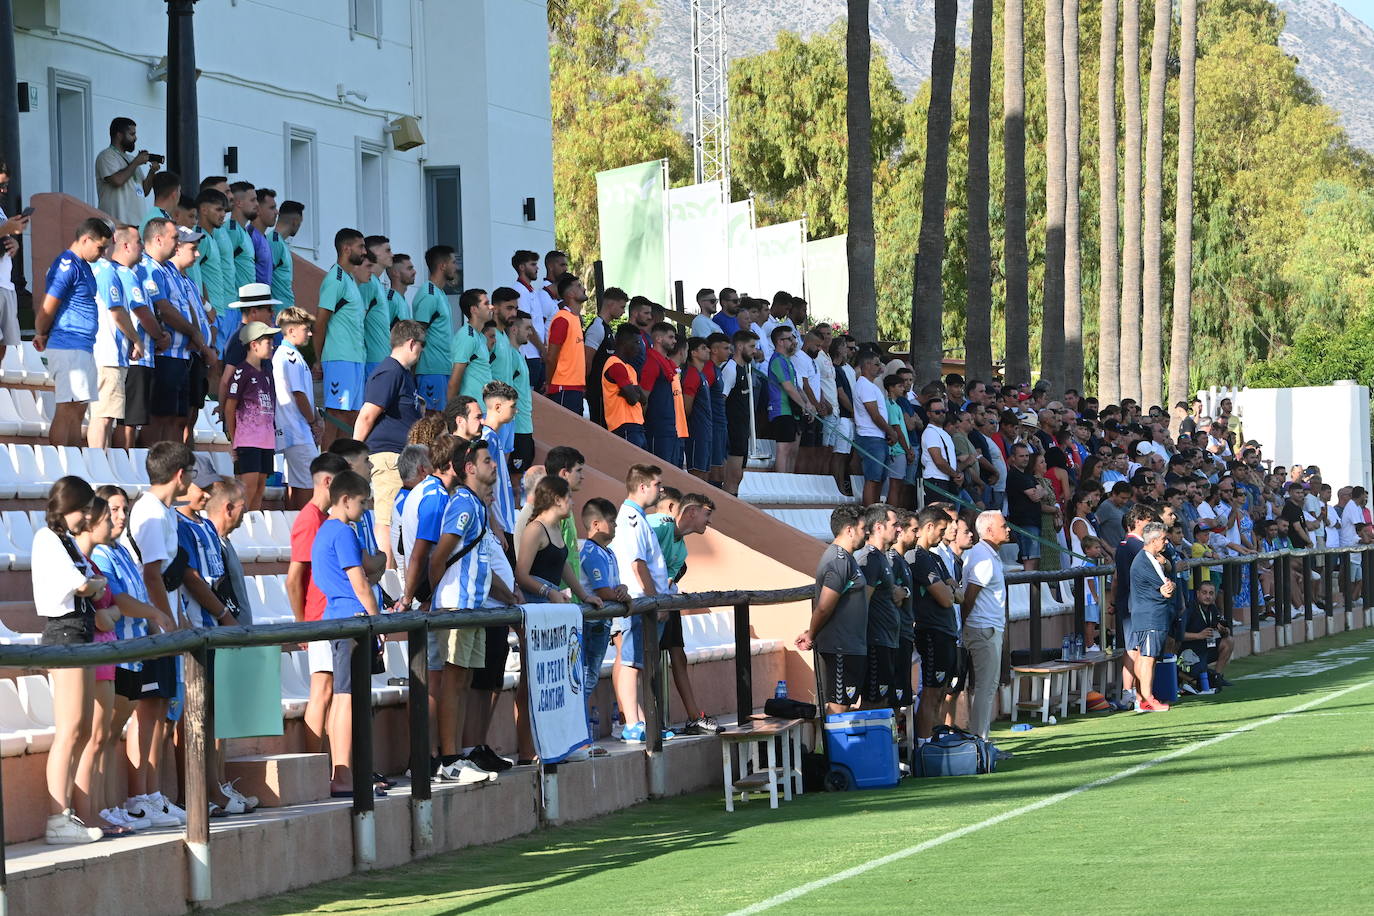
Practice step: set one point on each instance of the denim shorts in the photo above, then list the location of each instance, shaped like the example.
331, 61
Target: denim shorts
596, 636
896, 466
1027, 547
873, 450
632, 642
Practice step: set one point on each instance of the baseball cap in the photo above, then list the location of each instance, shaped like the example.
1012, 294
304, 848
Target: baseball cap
255, 330
186, 234
1028, 418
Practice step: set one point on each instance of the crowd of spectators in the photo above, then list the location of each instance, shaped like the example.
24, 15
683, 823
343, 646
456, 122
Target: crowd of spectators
420, 458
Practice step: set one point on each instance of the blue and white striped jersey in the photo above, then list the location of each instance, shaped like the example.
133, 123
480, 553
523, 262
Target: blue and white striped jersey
466, 582
125, 578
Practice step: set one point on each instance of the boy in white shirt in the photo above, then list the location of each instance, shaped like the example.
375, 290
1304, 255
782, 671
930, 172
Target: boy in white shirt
297, 422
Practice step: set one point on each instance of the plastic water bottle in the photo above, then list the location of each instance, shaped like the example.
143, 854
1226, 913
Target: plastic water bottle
594, 720
1205, 680
780, 691
1067, 651
1022, 727
615, 713
1078, 645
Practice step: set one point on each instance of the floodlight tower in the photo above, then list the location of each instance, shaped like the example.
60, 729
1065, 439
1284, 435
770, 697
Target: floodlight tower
710, 94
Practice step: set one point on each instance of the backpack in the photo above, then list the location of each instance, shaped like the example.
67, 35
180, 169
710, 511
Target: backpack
953, 752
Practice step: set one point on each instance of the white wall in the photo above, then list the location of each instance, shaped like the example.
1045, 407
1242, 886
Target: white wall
1327, 426
267, 64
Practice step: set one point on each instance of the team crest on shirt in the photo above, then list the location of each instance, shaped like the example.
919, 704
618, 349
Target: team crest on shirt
575, 660
463, 519
851, 692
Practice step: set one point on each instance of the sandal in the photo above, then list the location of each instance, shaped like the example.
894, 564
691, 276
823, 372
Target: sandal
112, 830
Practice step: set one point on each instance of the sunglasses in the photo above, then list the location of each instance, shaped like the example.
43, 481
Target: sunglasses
938, 411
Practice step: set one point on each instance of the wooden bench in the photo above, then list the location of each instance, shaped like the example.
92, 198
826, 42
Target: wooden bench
1046, 678
1085, 678
741, 745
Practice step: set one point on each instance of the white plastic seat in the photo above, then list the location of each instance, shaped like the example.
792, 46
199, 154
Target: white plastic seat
15, 721
35, 372
397, 658
276, 606
204, 433
391, 583
277, 528
35, 692
50, 463
125, 474
74, 462
9, 555
294, 694
98, 464
10, 424
138, 460
28, 408
813, 522
272, 549
14, 638
31, 482
9, 478
20, 530
244, 542
12, 367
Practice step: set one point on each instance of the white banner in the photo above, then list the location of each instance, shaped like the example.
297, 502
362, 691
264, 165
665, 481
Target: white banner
782, 258
827, 279
553, 653
698, 254
743, 254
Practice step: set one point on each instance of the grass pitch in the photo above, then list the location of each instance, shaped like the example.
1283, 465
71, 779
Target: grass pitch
1273, 819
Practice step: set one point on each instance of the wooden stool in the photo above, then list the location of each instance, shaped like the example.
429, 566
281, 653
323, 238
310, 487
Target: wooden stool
1043, 676
741, 744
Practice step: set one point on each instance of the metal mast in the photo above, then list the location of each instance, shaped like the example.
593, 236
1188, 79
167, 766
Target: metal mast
710, 94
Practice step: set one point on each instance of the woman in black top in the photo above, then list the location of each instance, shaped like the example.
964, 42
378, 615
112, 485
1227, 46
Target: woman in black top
543, 556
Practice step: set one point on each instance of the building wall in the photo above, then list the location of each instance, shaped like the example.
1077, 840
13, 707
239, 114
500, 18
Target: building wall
268, 66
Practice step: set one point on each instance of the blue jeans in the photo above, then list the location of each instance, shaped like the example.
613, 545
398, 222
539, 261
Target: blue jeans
873, 451
632, 433
596, 636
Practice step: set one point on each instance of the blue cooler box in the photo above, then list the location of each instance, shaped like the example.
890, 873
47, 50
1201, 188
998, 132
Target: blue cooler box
862, 746
1166, 679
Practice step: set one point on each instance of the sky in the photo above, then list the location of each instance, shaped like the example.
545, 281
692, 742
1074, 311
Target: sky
1364, 9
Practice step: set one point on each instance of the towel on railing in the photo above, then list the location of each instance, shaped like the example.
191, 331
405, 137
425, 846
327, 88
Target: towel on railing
553, 677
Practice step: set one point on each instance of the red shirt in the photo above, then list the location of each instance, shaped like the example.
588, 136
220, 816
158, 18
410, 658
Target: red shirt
303, 532
657, 368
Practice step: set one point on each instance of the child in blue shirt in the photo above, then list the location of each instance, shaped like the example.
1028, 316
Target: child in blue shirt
336, 562
600, 577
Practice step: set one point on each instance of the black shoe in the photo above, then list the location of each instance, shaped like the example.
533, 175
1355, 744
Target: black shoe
1217, 680
385, 782
705, 725
485, 758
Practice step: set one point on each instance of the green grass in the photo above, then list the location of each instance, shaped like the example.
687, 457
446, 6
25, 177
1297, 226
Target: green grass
1272, 820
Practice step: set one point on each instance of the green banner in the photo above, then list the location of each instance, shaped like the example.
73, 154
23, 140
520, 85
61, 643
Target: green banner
632, 209
248, 692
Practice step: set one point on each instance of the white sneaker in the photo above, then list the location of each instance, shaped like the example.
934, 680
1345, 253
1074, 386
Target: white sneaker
617, 730
170, 808
143, 807
66, 828
465, 774
121, 818
1093, 648
233, 804
250, 802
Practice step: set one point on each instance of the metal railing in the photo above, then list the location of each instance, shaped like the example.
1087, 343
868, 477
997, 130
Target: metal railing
198, 714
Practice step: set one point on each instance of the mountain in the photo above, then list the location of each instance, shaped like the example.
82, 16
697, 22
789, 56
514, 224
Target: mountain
1335, 50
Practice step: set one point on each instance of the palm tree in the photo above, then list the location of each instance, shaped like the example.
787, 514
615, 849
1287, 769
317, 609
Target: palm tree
1109, 272
927, 318
1152, 322
1130, 249
978, 335
859, 243
1073, 256
1052, 309
1017, 311
1181, 339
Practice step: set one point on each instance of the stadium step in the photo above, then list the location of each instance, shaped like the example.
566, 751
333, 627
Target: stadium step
815, 522
280, 780
777, 489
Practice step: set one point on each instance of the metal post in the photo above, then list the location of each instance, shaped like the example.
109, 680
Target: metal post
421, 807
183, 110
1326, 583
1307, 587
198, 733
1080, 606
679, 297
1343, 581
599, 278
1256, 605
744, 666
1036, 640
1366, 572
653, 715
360, 756
9, 142
1228, 592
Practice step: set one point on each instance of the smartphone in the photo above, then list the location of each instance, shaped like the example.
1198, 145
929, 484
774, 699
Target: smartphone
27, 212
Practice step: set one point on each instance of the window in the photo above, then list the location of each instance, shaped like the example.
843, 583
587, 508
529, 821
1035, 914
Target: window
370, 166
365, 19
302, 183
73, 153
444, 214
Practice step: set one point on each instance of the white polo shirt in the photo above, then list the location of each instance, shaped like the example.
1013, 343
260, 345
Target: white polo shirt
983, 567
635, 540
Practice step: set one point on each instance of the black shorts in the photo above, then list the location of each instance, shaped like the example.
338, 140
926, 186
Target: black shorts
492, 676
939, 658
963, 672
159, 678
784, 429
522, 453
737, 445
842, 677
809, 432
171, 387
129, 684
199, 385
72, 629
880, 685
671, 638
905, 695
138, 395
253, 460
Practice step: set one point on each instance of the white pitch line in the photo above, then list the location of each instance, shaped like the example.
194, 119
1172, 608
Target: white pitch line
802, 890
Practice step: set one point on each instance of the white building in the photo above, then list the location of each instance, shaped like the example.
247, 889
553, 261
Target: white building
305, 90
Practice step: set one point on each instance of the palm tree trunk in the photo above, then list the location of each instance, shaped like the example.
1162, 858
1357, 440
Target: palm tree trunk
1109, 271
859, 243
978, 336
1052, 308
1130, 248
1073, 255
927, 319
1017, 310
1181, 340
1152, 320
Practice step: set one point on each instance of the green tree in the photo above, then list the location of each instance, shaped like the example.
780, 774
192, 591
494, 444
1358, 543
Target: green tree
607, 111
789, 134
